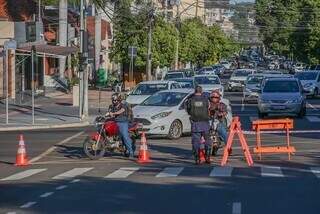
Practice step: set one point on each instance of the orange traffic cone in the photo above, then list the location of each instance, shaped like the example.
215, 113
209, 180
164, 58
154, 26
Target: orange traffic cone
144, 156
21, 158
202, 156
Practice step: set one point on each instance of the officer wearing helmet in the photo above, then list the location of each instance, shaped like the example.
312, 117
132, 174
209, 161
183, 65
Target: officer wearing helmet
218, 110
198, 109
119, 110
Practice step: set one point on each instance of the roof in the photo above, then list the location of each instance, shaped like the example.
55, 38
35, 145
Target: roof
156, 82
179, 90
206, 75
50, 50
282, 78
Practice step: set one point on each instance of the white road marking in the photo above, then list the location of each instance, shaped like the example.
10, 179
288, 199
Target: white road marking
75, 181
170, 172
122, 172
72, 173
11, 213
51, 149
47, 194
271, 171
313, 119
24, 174
236, 208
61, 187
316, 171
29, 204
313, 107
219, 171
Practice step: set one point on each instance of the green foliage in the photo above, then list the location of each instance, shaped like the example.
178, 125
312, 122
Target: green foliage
291, 27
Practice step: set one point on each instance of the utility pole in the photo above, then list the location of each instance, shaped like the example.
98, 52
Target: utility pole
176, 64
149, 54
166, 10
63, 33
197, 5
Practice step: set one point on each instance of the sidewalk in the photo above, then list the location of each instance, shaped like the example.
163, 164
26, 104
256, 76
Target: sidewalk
54, 110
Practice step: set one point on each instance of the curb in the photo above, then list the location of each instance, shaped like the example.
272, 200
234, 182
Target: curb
24, 128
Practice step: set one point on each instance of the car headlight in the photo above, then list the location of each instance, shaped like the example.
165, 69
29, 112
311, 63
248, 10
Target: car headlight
308, 85
248, 90
161, 115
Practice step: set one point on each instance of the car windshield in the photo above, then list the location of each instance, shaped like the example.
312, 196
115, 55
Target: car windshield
306, 76
281, 86
148, 89
241, 73
207, 80
165, 99
185, 83
254, 79
173, 76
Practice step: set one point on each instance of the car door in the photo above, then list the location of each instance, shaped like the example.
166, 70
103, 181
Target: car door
183, 115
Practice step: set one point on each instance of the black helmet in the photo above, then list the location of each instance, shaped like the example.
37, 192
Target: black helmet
116, 98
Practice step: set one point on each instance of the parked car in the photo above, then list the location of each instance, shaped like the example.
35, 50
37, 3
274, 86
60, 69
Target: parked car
209, 83
310, 81
298, 67
187, 82
164, 113
238, 78
174, 75
281, 95
145, 89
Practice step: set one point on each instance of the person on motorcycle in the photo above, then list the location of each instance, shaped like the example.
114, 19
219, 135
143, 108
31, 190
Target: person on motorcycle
119, 111
198, 109
218, 111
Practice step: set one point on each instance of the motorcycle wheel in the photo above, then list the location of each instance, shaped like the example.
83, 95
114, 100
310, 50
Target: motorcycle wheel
93, 149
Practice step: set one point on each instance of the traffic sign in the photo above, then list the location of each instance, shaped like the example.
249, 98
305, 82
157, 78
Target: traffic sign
11, 44
132, 51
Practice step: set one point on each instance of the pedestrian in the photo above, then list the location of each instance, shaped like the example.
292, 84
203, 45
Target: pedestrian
198, 109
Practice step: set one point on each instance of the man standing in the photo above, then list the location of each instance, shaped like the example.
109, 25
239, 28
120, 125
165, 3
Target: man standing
119, 110
198, 109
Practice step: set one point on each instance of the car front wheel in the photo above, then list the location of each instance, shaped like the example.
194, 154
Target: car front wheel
302, 112
175, 130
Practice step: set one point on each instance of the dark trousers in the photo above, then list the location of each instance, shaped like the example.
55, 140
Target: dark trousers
200, 129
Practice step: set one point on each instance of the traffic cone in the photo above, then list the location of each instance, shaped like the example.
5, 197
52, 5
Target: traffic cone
144, 156
21, 158
202, 156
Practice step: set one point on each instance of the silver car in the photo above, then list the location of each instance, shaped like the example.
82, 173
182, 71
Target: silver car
252, 87
281, 95
238, 78
310, 81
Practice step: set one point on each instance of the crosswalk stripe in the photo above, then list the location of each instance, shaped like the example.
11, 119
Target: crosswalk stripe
316, 171
219, 171
24, 174
72, 173
313, 119
170, 172
122, 172
29, 204
271, 171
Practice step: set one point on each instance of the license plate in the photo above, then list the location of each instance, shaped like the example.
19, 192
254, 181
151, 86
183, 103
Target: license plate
278, 107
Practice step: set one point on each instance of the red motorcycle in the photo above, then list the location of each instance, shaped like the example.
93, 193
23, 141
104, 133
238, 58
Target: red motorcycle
107, 138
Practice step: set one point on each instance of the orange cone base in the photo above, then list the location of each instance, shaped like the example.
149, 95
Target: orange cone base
202, 156
21, 161
144, 157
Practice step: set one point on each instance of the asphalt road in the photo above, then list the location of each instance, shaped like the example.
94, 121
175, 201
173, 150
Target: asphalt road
62, 180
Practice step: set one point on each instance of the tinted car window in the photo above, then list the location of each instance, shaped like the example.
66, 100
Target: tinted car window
173, 76
306, 76
148, 89
254, 79
165, 99
241, 73
207, 80
281, 86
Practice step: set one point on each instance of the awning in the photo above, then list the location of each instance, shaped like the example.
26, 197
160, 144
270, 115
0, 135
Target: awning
48, 50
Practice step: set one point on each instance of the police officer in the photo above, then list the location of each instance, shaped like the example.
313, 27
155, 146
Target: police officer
119, 111
198, 109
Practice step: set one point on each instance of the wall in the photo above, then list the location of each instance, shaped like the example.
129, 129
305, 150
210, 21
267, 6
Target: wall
6, 31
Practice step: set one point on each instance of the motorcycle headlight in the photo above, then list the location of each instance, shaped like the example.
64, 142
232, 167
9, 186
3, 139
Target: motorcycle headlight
161, 115
308, 85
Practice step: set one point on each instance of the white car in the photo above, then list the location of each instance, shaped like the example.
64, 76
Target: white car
209, 83
174, 75
164, 113
145, 89
298, 67
226, 64
310, 81
238, 78
207, 71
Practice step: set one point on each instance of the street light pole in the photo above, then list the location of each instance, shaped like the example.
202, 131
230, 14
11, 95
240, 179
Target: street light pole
81, 57
176, 64
149, 54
